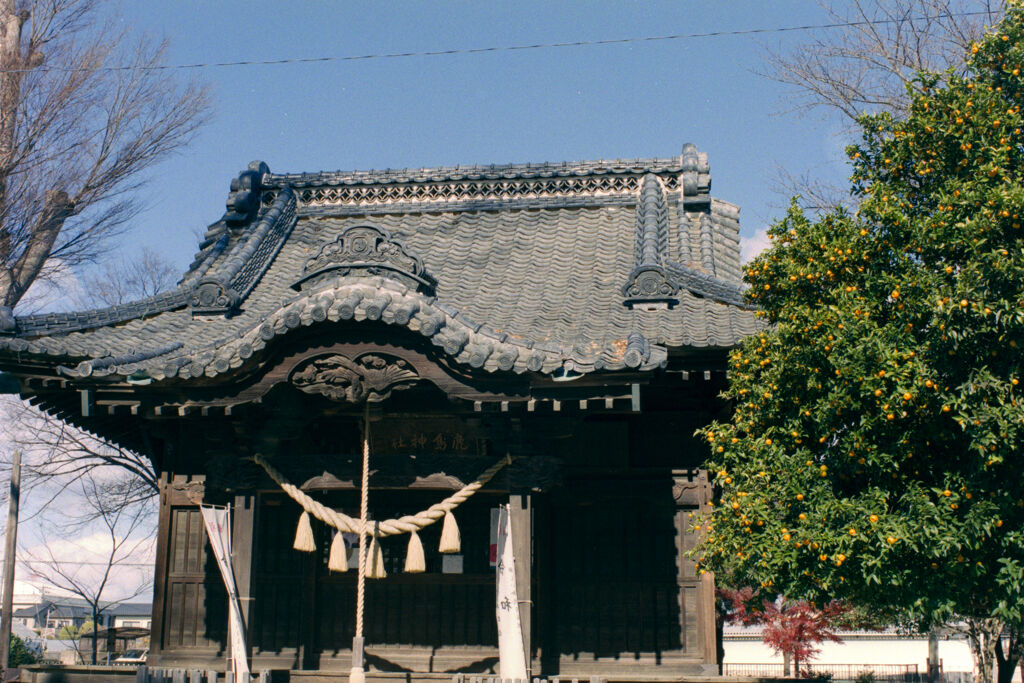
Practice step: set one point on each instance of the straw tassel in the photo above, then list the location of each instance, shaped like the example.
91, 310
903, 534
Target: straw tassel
338, 560
451, 541
304, 535
415, 563
375, 561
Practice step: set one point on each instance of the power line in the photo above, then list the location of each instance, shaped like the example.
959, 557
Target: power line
500, 48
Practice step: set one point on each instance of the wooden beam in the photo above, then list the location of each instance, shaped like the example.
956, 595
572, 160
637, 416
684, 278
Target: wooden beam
87, 401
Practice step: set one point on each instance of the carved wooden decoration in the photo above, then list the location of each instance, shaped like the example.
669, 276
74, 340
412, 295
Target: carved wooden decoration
369, 250
369, 377
193, 491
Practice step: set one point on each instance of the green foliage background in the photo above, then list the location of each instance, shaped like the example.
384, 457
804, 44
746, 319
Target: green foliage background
19, 654
875, 450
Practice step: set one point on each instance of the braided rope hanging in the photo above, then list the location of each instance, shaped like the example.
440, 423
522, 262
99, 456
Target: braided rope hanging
409, 524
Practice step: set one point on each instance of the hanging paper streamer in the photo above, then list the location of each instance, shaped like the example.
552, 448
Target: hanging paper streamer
218, 529
511, 653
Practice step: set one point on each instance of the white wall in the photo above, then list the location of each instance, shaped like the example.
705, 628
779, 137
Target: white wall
955, 655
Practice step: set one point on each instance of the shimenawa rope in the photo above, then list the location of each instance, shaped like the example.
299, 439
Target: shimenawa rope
389, 527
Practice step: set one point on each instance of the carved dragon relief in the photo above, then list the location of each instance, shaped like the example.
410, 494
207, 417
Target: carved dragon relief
369, 377
366, 249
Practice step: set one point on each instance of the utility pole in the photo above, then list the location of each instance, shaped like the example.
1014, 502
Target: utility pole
7, 610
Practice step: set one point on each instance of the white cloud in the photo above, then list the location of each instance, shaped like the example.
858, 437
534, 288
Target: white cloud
83, 560
50, 528
752, 246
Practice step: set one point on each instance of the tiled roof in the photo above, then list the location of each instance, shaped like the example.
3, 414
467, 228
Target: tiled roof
540, 267
130, 609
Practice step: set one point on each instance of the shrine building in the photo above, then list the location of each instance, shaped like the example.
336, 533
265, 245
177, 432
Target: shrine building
562, 328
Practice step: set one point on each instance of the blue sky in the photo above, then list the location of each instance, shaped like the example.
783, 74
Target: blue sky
617, 101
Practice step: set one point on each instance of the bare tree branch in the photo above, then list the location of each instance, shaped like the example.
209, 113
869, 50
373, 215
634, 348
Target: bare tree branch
869, 66
131, 278
125, 530
76, 138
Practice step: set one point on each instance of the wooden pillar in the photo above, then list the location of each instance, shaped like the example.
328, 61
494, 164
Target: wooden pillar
307, 612
706, 613
697, 617
521, 516
163, 540
243, 539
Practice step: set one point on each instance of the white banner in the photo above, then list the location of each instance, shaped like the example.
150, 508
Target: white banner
511, 654
218, 530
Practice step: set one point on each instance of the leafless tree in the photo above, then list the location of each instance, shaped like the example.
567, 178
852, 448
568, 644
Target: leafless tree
57, 456
867, 63
83, 114
145, 274
117, 552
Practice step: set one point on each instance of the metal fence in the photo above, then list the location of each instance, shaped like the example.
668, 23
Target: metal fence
880, 673
147, 675
839, 672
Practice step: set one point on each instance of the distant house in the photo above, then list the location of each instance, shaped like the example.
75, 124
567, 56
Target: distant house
130, 614
52, 613
25, 595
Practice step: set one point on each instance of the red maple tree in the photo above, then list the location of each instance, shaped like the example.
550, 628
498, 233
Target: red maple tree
790, 627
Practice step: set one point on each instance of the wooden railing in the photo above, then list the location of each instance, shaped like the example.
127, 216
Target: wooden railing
146, 675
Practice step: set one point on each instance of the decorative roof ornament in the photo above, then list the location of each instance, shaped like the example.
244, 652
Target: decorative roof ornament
369, 377
365, 250
695, 177
649, 286
244, 198
225, 289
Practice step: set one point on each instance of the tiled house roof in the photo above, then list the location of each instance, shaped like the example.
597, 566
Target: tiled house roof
540, 267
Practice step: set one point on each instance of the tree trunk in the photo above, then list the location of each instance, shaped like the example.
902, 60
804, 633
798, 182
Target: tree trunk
1008, 659
983, 635
95, 635
785, 664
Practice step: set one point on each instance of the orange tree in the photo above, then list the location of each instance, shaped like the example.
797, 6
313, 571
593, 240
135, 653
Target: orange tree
875, 451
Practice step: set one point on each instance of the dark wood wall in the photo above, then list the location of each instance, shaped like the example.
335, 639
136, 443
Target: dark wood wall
612, 590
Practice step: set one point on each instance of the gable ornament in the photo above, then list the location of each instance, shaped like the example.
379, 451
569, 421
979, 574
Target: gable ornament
369, 377
367, 250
